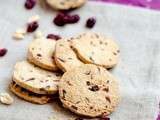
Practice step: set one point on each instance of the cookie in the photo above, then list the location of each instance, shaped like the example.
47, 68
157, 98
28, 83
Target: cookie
65, 58
89, 90
35, 79
65, 4
29, 96
96, 49
40, 53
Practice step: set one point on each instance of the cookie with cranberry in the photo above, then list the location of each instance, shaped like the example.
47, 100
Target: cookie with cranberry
89, 90
35, 79
66, 59
65, 4
27, 95
96, 49
40, 53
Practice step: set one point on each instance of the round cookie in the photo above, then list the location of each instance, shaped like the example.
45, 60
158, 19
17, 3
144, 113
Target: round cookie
35, 79
65, 4
66, 59
96, 49
29, 96
40, 53
89, 90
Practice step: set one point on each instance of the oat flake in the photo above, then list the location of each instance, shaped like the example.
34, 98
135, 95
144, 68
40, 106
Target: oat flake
5, 98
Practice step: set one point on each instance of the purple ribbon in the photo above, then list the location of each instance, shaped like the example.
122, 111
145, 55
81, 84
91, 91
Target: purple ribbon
153, 4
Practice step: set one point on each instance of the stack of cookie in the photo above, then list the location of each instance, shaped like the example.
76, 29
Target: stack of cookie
86, 87
34, 80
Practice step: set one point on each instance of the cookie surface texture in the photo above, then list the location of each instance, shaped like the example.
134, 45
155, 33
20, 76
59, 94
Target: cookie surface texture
96, 49
65, 4
89, 90
40, 53
66, 59
35, 79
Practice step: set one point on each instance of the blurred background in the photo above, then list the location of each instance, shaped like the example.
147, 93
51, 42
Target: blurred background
149, 4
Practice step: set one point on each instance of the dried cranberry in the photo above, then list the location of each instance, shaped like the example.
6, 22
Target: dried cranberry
91, 22
53, 36
94, 88
59, 19
29, 4
3, 51
66, 19
32, 26
63, 18
73, 19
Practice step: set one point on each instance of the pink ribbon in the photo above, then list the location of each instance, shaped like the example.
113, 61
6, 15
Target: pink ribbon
153, 4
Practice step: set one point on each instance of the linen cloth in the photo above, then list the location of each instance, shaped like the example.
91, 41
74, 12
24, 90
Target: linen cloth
137, 31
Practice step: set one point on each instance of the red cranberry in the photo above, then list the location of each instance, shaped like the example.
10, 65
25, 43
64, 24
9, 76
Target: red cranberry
63, 18
3, 51
66, 19
91, 22
53, 36
32, 26
29, 4
94, 88
59, 19
73, 19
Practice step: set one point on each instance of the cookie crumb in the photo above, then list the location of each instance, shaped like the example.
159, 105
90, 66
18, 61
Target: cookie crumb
33, 18
19, 34
5, 98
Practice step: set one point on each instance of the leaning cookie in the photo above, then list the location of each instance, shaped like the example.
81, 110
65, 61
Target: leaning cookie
96, 49
40, 53
65, 4
35, 79
65, 58
89, 90
27, 95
